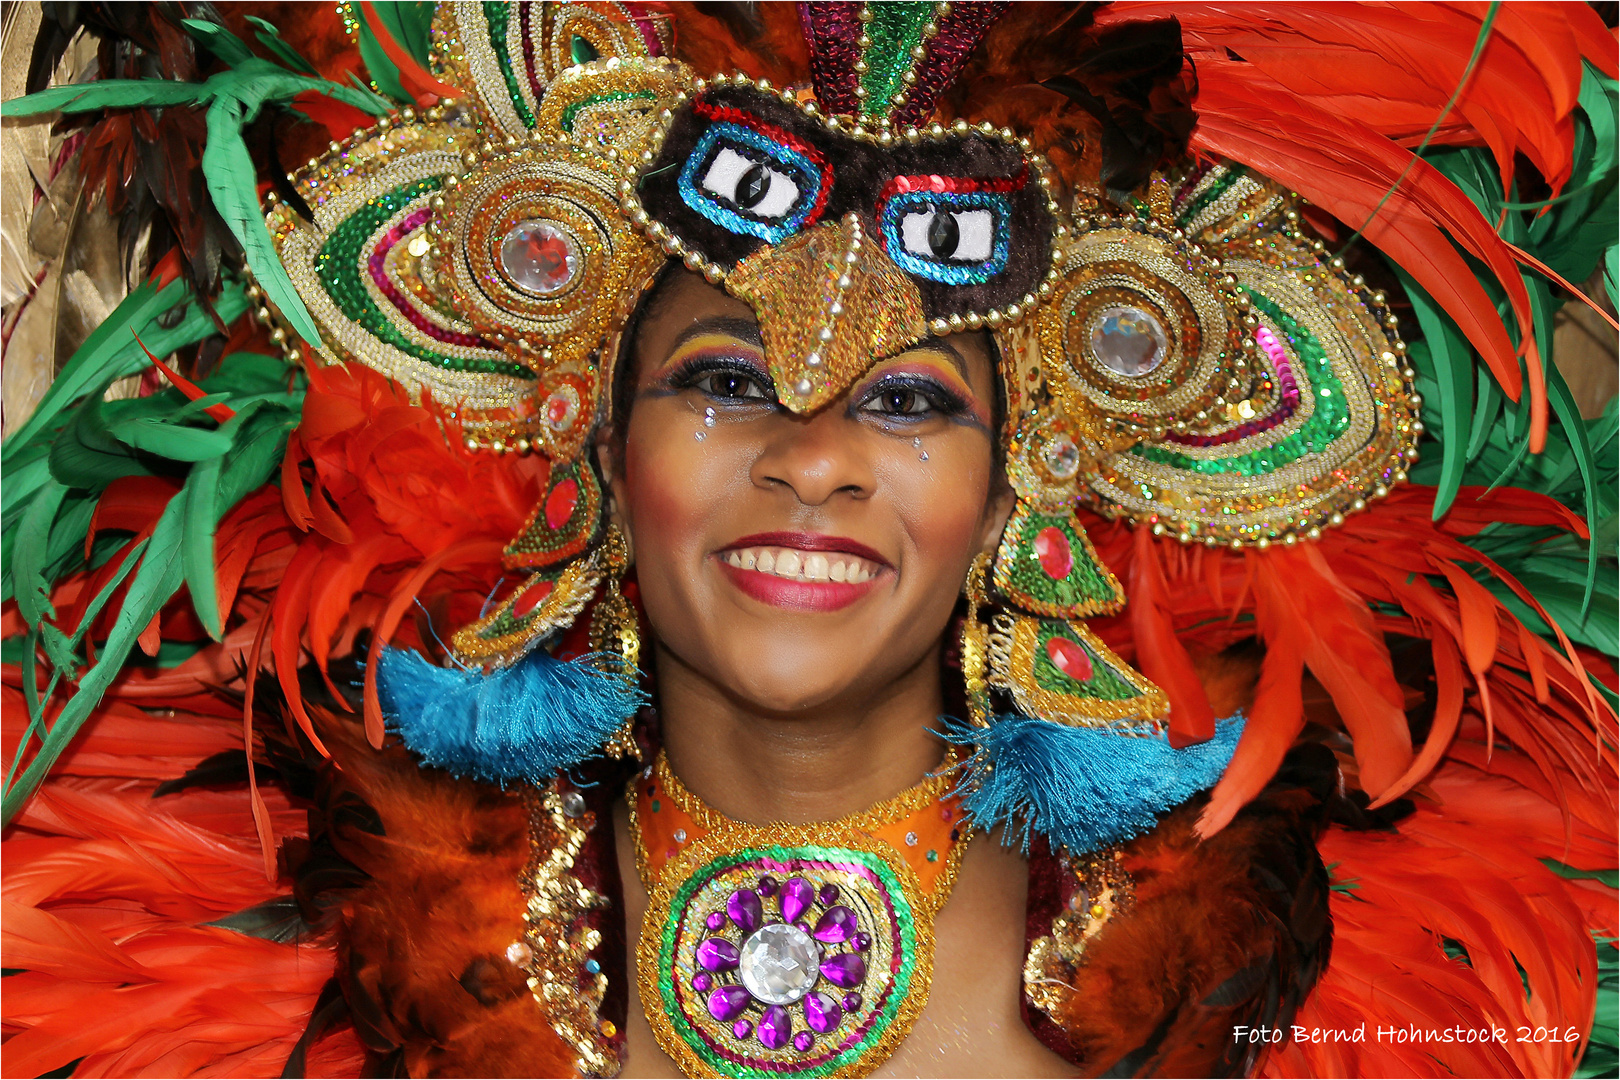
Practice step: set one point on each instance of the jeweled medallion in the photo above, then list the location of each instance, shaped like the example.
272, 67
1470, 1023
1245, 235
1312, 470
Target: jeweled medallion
788, 950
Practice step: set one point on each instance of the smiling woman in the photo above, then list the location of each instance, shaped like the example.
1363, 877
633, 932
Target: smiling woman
691, 547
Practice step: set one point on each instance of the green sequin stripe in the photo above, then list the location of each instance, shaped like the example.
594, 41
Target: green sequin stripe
895, 30
1104, 684
1086, 583
902, 980
599, 99
1327, 422
498, 15
1221, 185
338, 265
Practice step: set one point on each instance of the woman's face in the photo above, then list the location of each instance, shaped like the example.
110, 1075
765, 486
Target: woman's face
800, 561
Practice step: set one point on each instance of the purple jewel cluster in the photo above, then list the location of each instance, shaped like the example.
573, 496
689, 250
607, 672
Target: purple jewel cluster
795, 901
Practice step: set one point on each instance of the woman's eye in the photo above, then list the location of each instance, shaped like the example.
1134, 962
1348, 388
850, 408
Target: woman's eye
900, 401
730, 384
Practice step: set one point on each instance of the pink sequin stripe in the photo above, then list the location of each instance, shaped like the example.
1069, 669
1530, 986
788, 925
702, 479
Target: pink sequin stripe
831, 30
1288, 393
959, 32
380, 275
528, 53
649, 29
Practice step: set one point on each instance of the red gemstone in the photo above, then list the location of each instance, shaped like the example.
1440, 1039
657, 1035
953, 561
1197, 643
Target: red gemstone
1052, 548
1069, 658
561, 502
532, 597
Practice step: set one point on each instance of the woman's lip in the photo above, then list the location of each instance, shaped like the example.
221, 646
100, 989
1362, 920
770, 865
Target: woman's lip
797, 595
808, 542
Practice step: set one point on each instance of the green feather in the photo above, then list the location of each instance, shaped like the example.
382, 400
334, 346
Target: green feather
28, 554
410, 24
383, 71
156, 580
219, 41
107, 94
271, 39
1445, 349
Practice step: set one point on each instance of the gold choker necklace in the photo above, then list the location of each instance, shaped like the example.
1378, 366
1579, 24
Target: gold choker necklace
790, 950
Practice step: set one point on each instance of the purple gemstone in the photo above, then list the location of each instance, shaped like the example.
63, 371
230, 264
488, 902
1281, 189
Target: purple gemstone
822, 1013
803, 924
767, 886
803, 1041
775, 1028
797, 896
837, 924
852, 1003
716, 921
702, 982
863, 941
745, 910
742, 1029
828, 894
728, 1002
846, 969
717, 954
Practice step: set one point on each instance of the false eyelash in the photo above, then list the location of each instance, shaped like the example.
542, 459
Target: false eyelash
945, 401
695, 367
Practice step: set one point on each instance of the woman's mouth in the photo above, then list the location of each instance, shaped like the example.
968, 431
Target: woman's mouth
805, 573
794, 565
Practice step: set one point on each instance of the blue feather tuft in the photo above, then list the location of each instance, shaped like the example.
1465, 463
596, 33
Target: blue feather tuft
1084, 788
525, 722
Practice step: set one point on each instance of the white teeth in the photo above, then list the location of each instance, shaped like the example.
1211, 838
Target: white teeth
802, 565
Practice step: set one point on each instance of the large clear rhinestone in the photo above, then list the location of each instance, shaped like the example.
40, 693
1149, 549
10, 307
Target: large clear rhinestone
1128, 341
539, 257
780, 964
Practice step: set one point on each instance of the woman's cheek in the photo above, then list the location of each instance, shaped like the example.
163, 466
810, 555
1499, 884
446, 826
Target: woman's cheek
941, 500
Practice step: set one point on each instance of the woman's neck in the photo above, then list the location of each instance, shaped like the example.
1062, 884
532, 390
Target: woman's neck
809, 765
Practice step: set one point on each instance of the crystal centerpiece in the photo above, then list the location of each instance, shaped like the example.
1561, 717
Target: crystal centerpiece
779, 963
1128, 341
539, 257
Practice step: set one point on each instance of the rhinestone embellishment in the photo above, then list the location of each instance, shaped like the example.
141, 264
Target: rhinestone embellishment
1128, 341
779, 964
539, 257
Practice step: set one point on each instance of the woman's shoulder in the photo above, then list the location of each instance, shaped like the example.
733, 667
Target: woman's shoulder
1146, 959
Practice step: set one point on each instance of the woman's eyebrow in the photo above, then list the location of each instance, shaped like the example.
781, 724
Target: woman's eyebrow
744, 330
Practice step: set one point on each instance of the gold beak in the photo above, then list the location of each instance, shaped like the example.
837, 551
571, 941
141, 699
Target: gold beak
829, 303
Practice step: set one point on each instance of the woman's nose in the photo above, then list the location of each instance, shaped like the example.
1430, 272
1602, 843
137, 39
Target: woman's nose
816, 457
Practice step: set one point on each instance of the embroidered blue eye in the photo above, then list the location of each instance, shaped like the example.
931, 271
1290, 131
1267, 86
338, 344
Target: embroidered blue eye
943, 229
752, 178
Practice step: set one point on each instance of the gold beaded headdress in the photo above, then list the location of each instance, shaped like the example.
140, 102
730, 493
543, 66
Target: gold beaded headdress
1186, 359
